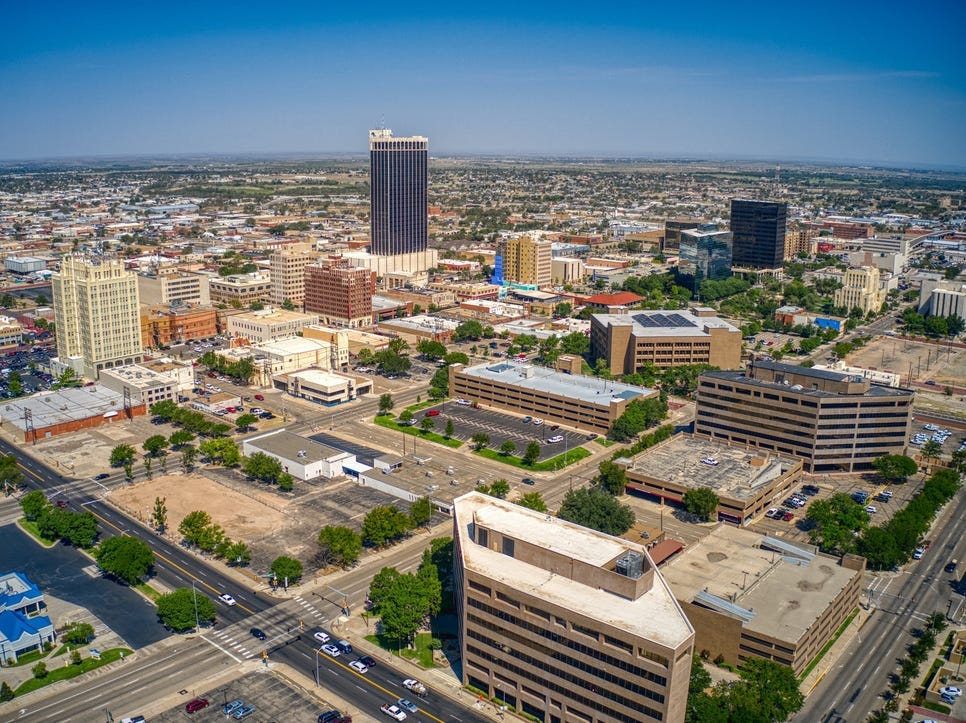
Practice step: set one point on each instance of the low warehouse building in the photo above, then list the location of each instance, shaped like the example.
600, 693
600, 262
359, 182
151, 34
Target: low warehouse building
302, 458
48, 414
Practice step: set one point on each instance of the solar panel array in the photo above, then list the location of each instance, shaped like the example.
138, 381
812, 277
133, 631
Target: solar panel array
662, 321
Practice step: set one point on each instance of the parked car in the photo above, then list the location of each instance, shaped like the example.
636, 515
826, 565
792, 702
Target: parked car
773, 513
243, 712
951, 690
537, 422
919, 552
195, 705
951, 566
259, 397
432, 413
329, 716
527, 419
710, 460
344, 646
555, 439
871, 509
811, 490
464, 402
788, 516
230, 708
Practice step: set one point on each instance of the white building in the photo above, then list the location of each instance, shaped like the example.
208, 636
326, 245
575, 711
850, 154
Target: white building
151, 381
323, 387
304, 459
269, 324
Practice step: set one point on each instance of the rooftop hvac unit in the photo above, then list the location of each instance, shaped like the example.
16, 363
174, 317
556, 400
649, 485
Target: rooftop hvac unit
302, 453
631, 564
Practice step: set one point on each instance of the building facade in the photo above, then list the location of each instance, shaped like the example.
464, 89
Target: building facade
758, 233
527, 261
150, 382
287, 272
861, 289
571, 399
165, 325
174, 287
398, 196
23, 626
323, 387
672, 232
563, 623
11, 332
269, 324
97, 315
703, 256
340, 294
832, 421
664, 338
240, 289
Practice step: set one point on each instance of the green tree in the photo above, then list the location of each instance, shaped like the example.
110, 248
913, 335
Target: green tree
767, 692
33, 504
638, 416
381, 587
245, 422
431, 350
563, 309
406, 417
340, 545
480, 440
384, 524
77, 633
386, 403
154, 444
264, 468
180, 438
468, 331
166, 409
11, 476
15, 384
450, 429
575, 343
895, 467
235, 553
122, 453
612, 478
39, 670
595, 508
500, 489
391, 362
420, 512
289, 568
404, 611
533, 501
287, 305
193, 526
701, 501
931, 450
68, 378
79, 528
427, 423
6, 692
127, 558
835, 521
159, 514
508, 448
455, 357
532, 453
222, 450
177, 609
188, 457
842, 349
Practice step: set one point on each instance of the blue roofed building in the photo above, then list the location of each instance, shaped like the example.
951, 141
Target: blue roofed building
23, 626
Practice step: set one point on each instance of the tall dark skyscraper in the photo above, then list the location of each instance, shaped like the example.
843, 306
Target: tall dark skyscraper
398, 206
758, 233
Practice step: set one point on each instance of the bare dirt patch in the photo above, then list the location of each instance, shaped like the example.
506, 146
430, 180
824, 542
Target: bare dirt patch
243, 517
911, 359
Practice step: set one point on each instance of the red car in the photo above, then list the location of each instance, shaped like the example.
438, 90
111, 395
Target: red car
432, 413
259, 397
196, 705
788, 516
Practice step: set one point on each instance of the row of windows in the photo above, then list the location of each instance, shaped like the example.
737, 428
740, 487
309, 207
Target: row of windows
582, 665
591, 651
567, 691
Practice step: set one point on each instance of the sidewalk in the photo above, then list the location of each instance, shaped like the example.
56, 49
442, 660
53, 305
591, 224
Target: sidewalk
834, 653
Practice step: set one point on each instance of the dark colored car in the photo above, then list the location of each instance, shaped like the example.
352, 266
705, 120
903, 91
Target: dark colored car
368, 661
61, 503
196, 705
951, 566
329, 716
257, 633
528, 481
811, 490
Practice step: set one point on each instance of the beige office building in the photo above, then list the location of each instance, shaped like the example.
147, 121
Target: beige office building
860, 288
173, 287
287, 272
240, 289
269, 324
527, 261
97, 315
564, 623
664, 338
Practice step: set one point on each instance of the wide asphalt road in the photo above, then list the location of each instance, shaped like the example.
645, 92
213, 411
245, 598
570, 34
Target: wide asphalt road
852, 688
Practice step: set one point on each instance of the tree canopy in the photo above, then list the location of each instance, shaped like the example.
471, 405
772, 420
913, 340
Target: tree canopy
895, 467
286, 568
127, 558
638, 416
701, 502
176, 610
340, 545
384, 524
835, 521
595, 508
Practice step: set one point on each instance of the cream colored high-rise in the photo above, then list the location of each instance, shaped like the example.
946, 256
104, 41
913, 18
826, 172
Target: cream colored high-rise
527, 261
860, 288
288, 273
96, 313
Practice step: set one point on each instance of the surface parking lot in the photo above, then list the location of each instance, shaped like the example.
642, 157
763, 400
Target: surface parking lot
274, 700
500, 427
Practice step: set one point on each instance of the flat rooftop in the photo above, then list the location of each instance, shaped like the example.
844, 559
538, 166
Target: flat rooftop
785, 597
288, 445
575, 386
655, 615
665, 323
291, 345
62, 406
875, 390
423, 323
736, 476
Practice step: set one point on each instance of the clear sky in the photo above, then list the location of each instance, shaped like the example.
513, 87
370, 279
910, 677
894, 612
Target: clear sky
880, 82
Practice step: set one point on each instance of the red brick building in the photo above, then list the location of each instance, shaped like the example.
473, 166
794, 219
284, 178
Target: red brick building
340, 294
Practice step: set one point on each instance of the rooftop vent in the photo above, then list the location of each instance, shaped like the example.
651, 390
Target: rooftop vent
631, 564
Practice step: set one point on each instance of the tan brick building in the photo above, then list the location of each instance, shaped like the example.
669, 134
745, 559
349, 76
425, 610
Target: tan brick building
287, 272
563, 623
665, 338
163, 325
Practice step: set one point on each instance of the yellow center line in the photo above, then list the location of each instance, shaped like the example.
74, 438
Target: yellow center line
374, 684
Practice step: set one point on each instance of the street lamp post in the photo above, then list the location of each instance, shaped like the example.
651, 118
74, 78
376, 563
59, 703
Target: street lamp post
194, 598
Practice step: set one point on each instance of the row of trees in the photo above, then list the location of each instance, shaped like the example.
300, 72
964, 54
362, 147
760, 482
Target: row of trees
269, 470
57, 523
340, 545
934, 326
193, 421
766, 692
243, 370
638, 416
199, 530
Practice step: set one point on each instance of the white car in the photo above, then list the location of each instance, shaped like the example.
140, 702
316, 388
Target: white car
321, 636
331, 650
773, 513
464, 402
537, 422
871, 509
359, 666
951, 690
709, 460
394, 711
554, 439
227, 599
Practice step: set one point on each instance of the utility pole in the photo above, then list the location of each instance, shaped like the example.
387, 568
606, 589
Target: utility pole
194, 597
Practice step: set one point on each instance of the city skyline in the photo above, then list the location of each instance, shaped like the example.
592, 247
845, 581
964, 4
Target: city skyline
857, 83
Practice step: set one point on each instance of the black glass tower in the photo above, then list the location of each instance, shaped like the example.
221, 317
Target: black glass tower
758, 233
397, 176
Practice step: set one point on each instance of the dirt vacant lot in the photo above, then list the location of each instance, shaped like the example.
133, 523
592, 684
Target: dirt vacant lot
242, 517
920, 360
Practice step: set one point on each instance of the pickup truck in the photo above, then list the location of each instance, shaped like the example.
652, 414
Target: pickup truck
414, 686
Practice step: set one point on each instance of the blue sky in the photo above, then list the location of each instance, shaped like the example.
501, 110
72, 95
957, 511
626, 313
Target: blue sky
881, 82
